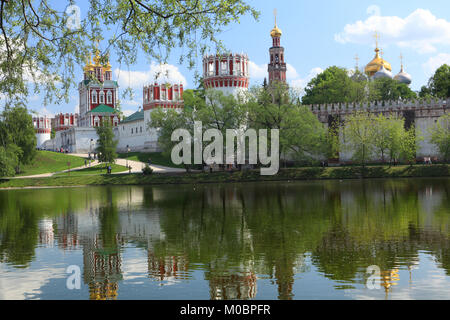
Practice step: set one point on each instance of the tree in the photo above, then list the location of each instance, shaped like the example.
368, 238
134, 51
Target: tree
409, 145
439, 83
17, 134
166, 121
385, 89
302, 136
359, 135
106, 144
9, 160
331, 86
440, 136
388, 132
41, 44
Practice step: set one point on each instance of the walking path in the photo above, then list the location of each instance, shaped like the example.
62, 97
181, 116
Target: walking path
45, 175
136, 167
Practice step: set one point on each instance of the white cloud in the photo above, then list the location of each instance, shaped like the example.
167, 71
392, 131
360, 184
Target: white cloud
435, 62
421, 31
257, 72
160, 73
43, 112
303, 82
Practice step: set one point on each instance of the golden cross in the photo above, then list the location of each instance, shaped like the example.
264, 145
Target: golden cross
377, 37
275, 14
357, 61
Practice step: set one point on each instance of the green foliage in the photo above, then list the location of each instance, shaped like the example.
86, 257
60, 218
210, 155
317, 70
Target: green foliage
147, 170
17, 135
38, 48
439, 83
335, 85
385, 89
388, 135
367, 135
440, 136
359, 136
9, 160
301, 133
409, 145
331, 86
106, 145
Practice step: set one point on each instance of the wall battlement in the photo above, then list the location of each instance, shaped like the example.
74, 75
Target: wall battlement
422, 108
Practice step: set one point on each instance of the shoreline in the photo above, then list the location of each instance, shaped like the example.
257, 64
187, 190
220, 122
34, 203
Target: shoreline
293, 174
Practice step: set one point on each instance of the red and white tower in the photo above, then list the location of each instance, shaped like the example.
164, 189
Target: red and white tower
43, 129
277, 67
165, 96
98, 94
226, 73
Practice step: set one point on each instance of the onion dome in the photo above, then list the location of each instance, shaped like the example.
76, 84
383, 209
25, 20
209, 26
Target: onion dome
97, 58
276, 32
403, 77
382, 73
89, 66
375, 65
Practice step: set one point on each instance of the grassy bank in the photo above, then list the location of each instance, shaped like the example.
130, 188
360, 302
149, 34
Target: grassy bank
245, 176
157, 158
47, 161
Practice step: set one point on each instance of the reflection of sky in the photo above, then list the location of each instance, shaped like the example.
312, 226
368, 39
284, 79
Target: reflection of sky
46, 279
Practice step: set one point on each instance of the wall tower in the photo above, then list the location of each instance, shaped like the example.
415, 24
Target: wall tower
227, 73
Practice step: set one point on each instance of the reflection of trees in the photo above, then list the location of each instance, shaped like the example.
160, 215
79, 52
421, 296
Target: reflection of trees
236, 232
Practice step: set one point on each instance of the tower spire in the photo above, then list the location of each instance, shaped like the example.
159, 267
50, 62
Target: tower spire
275, 15
357, 62
401, 61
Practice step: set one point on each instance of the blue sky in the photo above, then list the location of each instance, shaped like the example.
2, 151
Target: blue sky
316, 35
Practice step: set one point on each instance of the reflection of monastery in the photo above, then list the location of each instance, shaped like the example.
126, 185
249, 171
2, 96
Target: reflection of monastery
227, 73
236, 239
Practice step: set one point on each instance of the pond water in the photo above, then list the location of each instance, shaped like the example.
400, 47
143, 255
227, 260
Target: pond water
374, 239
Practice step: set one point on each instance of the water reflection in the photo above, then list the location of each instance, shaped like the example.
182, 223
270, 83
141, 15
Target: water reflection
243, 240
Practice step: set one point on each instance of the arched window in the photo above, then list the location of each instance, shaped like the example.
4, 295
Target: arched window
109, 97
101, 97
94, 96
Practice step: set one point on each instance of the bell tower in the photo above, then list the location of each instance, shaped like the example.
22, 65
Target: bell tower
277, 67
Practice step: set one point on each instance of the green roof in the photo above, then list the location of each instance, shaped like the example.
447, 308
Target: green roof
139, 115
103, 109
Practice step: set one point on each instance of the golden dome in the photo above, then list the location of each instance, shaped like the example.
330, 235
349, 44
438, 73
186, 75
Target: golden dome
89, 66
375, 65
97, 58
276, 32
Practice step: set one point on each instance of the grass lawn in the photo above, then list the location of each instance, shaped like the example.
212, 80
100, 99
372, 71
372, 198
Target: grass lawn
99, 169
48, 161
156, 157
339, 173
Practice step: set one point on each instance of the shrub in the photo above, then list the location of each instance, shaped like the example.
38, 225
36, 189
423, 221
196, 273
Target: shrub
147, 170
